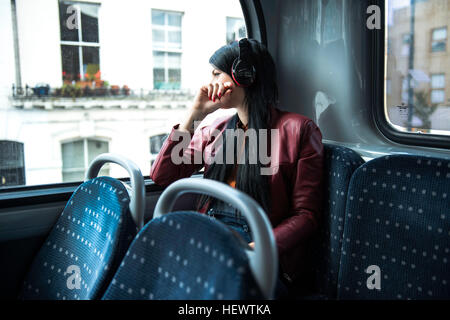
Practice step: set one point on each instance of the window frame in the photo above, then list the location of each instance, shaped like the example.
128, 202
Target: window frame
24, 195
166, 49
432, 41
80, 43
167, 28
378, 65
166, 67
85, 141
16, 196
434, 89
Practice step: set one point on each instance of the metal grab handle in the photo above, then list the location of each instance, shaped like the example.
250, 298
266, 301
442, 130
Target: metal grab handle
137, 203
264, 260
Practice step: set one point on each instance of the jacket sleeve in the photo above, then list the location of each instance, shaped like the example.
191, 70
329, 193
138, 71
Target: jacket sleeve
306, 199
181, 155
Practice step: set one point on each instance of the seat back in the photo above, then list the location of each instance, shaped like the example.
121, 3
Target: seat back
84, 248
184, 255
396, 235
340, 163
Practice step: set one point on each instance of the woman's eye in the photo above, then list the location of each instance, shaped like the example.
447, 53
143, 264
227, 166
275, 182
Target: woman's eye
216, 74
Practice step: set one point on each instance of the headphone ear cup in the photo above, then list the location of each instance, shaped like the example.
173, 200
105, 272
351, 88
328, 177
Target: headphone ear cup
243, 73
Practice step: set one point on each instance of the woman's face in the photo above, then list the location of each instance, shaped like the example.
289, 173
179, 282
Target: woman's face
237, 96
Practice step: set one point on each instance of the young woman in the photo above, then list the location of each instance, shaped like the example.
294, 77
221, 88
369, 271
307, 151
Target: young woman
244, 78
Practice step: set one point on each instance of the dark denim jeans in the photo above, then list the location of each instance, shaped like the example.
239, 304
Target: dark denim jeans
232, 218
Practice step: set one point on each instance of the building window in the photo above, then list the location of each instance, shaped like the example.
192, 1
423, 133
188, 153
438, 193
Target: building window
166, 70
437, 88
12, 164
78, 154
439, 39
167, 45
235, 29
79, 41
406, 42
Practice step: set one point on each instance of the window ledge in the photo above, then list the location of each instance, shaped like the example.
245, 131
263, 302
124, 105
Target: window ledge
44, 194
154, 101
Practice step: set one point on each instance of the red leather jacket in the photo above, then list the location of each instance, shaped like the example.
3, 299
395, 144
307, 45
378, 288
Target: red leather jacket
296, 182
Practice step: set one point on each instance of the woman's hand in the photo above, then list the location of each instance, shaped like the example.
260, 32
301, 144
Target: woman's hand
252, 245
212, 97
208, 99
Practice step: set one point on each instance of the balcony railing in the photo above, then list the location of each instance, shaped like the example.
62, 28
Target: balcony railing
114, 97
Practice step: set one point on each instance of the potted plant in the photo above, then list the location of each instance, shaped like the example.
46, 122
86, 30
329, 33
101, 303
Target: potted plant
115, 90
126, 90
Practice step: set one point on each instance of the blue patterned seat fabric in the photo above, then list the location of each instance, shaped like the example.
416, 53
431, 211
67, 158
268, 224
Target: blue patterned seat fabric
184, 255
397, 219
89, 239
340, 163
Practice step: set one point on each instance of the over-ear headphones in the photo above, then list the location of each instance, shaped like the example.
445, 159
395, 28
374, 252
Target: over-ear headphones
243, 72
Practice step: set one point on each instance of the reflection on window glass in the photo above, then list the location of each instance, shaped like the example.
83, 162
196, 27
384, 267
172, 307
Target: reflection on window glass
235, 29
333, 21
418, 95
107, 76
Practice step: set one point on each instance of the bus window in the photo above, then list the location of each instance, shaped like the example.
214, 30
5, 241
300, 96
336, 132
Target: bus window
81, 78
417, 80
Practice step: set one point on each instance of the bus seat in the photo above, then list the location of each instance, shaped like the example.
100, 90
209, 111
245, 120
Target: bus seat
187, 255
89, 239
340, 163
397, 230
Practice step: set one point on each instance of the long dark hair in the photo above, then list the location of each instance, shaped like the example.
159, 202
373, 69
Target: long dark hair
259, 97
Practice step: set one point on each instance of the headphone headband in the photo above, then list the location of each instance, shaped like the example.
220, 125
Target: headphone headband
244, 49
243, 72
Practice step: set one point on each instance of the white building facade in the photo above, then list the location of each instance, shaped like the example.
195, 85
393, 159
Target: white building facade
119, 75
